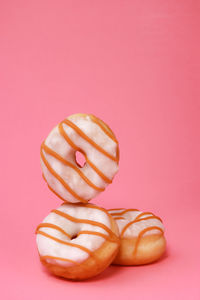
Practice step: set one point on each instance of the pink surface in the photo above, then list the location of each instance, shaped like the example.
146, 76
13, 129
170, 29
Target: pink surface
136, 65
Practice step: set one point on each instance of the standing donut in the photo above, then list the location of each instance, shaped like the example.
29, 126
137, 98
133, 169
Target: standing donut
64, 175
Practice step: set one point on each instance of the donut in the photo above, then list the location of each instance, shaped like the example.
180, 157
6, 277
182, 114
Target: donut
86, 134
142, 238
77, 241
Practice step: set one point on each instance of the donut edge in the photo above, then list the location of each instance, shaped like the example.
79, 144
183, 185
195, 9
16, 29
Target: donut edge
150, 249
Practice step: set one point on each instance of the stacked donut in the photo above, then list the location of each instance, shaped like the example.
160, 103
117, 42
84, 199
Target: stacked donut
79, 240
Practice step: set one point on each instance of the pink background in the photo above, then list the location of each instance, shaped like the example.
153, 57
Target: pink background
136, 65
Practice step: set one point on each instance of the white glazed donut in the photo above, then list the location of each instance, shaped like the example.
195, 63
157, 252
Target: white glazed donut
142, 238
95, 140
77, 241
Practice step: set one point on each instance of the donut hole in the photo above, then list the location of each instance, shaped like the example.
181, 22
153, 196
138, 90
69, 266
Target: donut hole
74, 236
80, 159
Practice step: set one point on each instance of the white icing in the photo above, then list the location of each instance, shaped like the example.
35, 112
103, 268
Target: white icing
95, 133
55, 184
49, 247
134, 229
58, 144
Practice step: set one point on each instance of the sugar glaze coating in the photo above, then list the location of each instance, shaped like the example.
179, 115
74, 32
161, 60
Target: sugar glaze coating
90, 136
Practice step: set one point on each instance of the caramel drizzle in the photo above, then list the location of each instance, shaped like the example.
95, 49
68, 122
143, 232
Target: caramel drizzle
119, 218
53, 226
147, 213
109, 133
49, 225
84, 221
53, 190
64, 200
64, 161
45, 257
96, 207
90, 141
142, 233
90, 205
138, 219
64, 242
67, 163
59, 178
106, 237
122, 212
57, 194
69, 141
142, 214
102, 175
